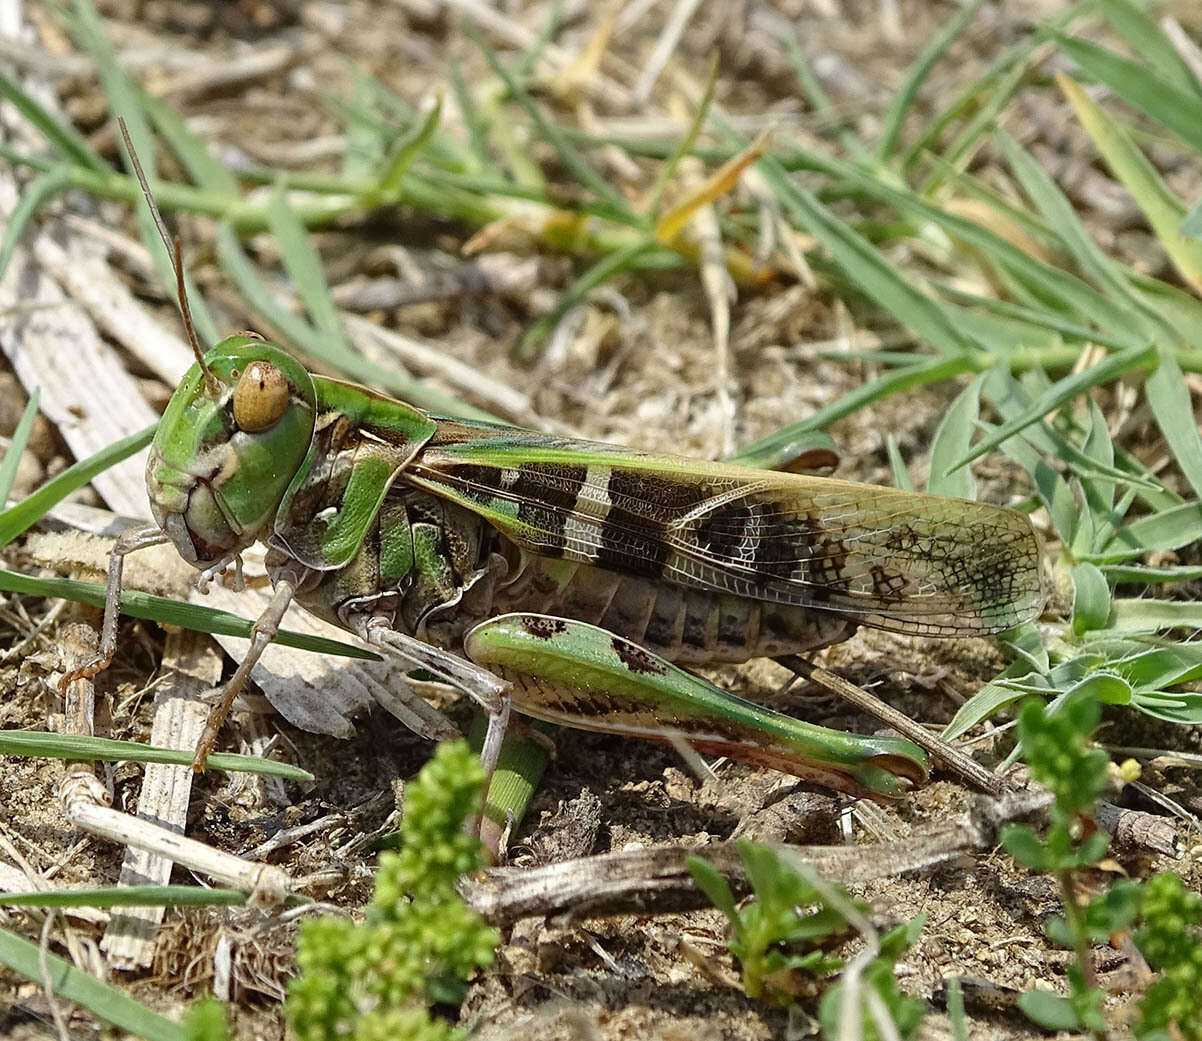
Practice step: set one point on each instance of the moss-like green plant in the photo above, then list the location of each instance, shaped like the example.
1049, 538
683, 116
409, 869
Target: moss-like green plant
1170, 941
419, 943
206, 1021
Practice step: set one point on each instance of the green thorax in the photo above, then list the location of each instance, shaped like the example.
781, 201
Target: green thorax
361, 443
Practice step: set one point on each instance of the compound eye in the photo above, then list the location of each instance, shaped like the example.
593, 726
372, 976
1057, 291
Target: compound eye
261, 397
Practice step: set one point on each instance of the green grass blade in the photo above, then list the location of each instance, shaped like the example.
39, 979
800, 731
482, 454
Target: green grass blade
86, 749
1029, 223
1127, 469
118, 89
16, 446
1120, 573
55, 181
567, 152
1145, 38
897, 465
1110, 368
986, 702
867, 268
520, 768
819, 101
304, 267
1099, 489
1066, 294
172, 612
1171, 707
33, 507
951, 441
1181, 309
1059, 213
1076, 297
124, 102
996, 96
529, 60
408, 148
1191, 223
477, 139
1140, 85
1091, 599
786, 453
1026, 642
1037, 317
1141, 179
363, 152
1159, 667
1011, 340
891, 125
1171, 528
128, 896
1052, 489
106, 1002
1169, 398
1145, 615
967, 101
933, 370
63, 136
202, 167
242, 273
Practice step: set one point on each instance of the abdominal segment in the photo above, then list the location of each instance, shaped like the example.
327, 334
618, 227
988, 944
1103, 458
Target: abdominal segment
682, 624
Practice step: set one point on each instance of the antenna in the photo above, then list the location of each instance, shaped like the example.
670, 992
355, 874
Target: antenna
212, 384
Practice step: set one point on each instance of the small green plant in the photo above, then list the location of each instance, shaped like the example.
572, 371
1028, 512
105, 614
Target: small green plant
1056, 744
1057, 749
1170, 941
786, 928
206, 1021
420, 942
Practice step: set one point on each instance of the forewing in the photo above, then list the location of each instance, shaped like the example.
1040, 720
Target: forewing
895, 560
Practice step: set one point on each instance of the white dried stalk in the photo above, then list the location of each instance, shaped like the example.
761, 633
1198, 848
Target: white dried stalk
719, 292
83, 272
52, 343
664, 47
430, 360
192, 664
86, 391
85, 802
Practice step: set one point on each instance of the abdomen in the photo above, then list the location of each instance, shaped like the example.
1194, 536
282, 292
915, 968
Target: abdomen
690, 626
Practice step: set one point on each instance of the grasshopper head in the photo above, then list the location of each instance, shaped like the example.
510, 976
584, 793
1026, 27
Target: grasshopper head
227, 447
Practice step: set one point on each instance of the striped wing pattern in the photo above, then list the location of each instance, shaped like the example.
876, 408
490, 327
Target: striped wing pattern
902, 561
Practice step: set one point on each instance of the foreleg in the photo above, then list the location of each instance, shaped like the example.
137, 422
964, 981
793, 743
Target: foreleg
127, 542
261, 634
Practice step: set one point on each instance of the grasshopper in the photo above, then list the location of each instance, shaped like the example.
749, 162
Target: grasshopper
565, 579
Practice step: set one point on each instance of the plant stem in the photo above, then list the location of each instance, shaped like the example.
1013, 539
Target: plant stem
1075, 919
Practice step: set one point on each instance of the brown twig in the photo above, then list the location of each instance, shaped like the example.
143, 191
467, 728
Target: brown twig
643, 881
961, 765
